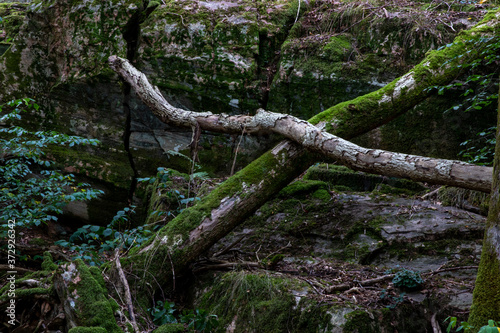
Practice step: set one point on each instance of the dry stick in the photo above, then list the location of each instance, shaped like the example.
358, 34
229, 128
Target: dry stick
450, 269
313, 284
298, 11
173, 271
431, 193
225, 265
236, 152
278, 250
4, 268
194, 155
346, 286
128, 296
435, 325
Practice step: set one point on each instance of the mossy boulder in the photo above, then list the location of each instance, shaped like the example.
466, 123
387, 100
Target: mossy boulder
336, 52
264, 303
85, 299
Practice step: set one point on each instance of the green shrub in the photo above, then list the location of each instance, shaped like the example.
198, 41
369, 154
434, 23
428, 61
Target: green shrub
31, 191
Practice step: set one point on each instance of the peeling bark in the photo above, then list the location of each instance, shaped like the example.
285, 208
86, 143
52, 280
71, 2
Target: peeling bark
438, 171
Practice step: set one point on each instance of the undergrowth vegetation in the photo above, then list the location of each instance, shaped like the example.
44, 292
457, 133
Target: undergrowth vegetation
478, 88
32, 191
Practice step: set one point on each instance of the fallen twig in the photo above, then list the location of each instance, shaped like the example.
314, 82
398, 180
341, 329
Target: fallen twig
17, 269
347, 286
435, 325
128, 296
226, 265
440, 270
431, 193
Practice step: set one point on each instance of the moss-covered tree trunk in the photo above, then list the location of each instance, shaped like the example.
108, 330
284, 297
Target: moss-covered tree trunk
194, 231
486, 300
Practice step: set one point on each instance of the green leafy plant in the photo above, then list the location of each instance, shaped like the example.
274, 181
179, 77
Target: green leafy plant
197, 320
163, 313
162, 177
200, 320
93, 242
492, 326
479, 91
394, 300
31, 191
481, 149
454, 322
407, 279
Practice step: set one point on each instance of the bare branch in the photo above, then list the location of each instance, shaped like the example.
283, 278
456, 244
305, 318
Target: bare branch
418, 168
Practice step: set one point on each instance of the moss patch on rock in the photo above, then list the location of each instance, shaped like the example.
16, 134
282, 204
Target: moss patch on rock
264, 303
87, 297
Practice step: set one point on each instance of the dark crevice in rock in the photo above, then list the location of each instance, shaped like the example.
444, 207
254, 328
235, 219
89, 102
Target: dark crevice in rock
126, 139
131, 34
267, 68
270, 56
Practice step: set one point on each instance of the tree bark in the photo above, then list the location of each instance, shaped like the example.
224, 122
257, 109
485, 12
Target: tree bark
486, 297
438, 171
196, 229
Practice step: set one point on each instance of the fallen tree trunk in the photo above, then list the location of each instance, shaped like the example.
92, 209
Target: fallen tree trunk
433, 170
196, 229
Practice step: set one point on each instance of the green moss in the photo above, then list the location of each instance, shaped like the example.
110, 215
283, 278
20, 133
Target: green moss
486, 296
462, 198
486, 300
301, 187
95, 163
25, 293
37, 241
48, 263
91, 306
97, 274
322, 195
359, 111
360, 181
264, 303
12, 15
387, 189
359, 321
170, 328
338, 47
80, 329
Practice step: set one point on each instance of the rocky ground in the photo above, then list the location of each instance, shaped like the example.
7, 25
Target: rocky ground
359, 252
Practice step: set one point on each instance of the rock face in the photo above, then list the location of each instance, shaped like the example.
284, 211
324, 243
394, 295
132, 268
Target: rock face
298, 57
222, 56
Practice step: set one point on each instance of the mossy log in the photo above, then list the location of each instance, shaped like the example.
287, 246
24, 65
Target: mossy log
194, 231
486, 297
